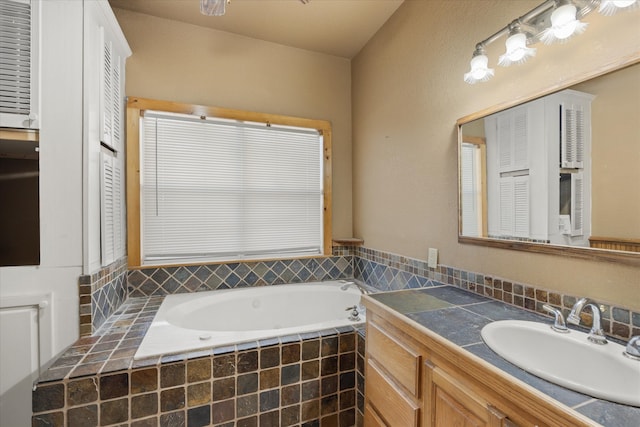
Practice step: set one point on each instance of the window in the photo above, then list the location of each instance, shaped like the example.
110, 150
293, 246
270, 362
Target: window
227, 186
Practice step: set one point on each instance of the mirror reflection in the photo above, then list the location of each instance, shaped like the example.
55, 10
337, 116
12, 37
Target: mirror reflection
563, 169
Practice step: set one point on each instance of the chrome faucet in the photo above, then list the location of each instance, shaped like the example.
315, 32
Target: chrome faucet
596, 334
361, 288
632, 351
558, 323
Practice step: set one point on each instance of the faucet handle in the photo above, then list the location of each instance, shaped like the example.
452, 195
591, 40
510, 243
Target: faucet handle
558, 323
632, 350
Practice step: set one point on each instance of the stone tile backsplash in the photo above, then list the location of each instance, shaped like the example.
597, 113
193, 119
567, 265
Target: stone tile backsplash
387, 271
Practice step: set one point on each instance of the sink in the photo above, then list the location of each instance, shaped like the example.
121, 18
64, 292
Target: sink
567, 359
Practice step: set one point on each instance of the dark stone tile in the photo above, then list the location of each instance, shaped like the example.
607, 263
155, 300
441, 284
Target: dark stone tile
347, 361
329, 385
310, 349
310, 390
199, 417
347, 343
270, 419
411, 301
223, 411
347, 418
347, 380
172, 375
224, 389
310, 370
172, 399
82, 391
269, 357
112, 386
86, 370
199, 394
51, 419
329, 404
310, 410
611, 414
269, 400
173, 419
290, 416
290, 353
454, 295
247, 383
495, 310
144, 405
290, 374
247, 422
114, 411
82, 416
224, 366
290, 395
246, 405
269, 378
247, 362
48, 397
147, 422
456, 324
329, 346
347, 399
329, 365
144, 380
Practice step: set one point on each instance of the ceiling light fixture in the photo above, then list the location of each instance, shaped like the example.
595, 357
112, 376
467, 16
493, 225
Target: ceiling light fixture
549, 22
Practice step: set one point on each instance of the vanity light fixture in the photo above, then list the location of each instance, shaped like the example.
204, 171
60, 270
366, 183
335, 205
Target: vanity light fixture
551, 21
517, 50
480, 72
610, 7
564, 24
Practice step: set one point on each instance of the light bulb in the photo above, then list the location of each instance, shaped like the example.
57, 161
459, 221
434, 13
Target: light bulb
610, 7
563, 25
517, 50
480, 71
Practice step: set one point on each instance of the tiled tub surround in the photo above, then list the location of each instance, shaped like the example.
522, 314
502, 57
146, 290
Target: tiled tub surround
306, 380
388, 272
209, 277
101, 294
459, 316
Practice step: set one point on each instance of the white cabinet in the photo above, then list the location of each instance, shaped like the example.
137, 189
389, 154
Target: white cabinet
19, 88
538, 178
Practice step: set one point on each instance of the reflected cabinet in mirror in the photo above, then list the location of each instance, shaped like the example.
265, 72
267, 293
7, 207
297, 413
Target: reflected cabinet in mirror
557, 174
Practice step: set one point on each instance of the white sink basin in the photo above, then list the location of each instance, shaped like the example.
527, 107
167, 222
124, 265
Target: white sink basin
567, 359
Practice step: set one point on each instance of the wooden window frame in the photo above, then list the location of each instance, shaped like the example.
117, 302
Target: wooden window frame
135, 109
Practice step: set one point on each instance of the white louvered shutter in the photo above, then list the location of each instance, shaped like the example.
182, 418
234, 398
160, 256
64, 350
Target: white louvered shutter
506, 207
107, 209
106, 94
521, 207
18, 64
470, 208
577, 204
573, 134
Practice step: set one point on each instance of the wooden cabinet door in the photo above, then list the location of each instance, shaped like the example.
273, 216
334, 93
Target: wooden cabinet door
449, 403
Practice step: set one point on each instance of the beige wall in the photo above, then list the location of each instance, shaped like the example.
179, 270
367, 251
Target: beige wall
615, 153
408, 93
186, 63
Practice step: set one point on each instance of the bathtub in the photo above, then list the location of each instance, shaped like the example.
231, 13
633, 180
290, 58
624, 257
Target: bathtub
188, 322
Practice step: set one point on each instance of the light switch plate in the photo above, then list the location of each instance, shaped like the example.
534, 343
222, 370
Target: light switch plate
433, 258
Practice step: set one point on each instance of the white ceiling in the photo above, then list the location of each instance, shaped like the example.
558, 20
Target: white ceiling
335, 27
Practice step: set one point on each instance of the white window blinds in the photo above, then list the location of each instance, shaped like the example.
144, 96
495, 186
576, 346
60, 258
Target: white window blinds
223, 189
18, 82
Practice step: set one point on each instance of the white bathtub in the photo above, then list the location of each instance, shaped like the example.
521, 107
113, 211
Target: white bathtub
187, 322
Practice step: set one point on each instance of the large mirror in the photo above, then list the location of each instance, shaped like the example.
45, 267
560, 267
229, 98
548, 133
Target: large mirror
557, 174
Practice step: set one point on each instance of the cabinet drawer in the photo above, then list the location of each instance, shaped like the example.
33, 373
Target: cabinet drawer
371, 418
389, 403
397, 358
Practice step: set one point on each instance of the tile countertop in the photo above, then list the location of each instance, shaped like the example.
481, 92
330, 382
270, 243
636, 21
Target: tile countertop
459, 316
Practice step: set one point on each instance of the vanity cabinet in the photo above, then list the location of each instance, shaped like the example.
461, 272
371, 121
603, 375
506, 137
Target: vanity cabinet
414, 377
